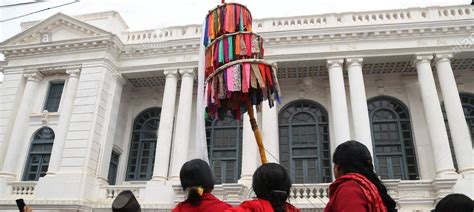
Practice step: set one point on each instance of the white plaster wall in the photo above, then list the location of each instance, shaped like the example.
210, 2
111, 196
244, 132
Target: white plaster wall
10, 96
133, 102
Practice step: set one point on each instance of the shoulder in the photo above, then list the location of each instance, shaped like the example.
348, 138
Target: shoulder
349, 197
213, 203
250, 206
349, 187
291, 208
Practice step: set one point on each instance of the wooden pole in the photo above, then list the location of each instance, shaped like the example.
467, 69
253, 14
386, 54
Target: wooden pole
257, 133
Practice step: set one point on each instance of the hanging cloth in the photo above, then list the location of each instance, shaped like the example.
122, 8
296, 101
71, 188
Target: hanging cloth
248, 44
226, 49
231, 48
237, 45
261, 68
245, 77
256, 71
221, 52
236, 77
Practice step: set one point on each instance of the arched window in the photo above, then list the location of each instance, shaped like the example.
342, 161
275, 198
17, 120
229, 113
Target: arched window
467, 101
39, 154
304, 142
224, 143
392, 139
142, 148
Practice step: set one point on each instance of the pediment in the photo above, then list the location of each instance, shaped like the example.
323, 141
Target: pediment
59, 27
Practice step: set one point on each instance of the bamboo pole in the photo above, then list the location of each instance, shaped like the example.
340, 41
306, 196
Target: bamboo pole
257, 133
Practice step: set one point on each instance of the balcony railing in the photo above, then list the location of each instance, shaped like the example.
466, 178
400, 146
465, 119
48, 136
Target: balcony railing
410, 15
24, 189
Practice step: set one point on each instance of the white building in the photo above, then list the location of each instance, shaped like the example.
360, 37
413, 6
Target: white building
88, 109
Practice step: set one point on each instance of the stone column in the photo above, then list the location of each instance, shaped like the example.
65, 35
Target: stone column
434, 117
360, 113
165, 129
183, 122
457, 122
17, 143
250, 154
64, 118
270, 132
111, 124
340, 118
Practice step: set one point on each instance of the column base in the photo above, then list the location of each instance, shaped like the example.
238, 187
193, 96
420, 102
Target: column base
444, 186
173, 181
447, 174
102, 181
159, 178
465, 184
158, 192
4, 188
245, 180
79, 187
467, 173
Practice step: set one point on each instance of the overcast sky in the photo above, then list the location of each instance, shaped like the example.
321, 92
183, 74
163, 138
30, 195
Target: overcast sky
149, 14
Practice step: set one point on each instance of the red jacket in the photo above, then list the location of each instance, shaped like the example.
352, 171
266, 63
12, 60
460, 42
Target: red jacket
354, 193
259, 205
209, 203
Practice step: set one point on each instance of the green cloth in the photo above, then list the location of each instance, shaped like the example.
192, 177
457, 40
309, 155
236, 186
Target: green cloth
231, 47
221, 51
241, 19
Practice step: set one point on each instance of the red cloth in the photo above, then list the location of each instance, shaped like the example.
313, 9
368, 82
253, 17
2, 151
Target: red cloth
259, 205
209, 203
354, 192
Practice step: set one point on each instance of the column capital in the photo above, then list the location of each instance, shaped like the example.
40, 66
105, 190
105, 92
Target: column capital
442, 57
73, 72
335, 62
119, 78
351, 61
422, 58
171, 73
33, 75
189, 72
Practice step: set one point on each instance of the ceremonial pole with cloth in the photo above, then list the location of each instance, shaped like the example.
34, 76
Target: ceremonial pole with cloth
233, 75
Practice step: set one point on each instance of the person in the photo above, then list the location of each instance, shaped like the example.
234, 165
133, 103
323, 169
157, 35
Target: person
125, 202
357, 187
271, 185
197, 181
455, 202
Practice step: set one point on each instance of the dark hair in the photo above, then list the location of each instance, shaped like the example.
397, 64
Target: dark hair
354, 157
455, 202
125, 202
271, 182
193, 175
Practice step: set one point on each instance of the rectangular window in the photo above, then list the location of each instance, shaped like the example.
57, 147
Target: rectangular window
114, 161
54, 96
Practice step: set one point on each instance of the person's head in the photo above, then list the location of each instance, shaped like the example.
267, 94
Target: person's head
126, 202
351, 157
354, 157
196, 178
455, 202
271, 182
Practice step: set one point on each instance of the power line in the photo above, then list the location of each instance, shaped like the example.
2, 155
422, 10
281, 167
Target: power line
22, 3
31, 13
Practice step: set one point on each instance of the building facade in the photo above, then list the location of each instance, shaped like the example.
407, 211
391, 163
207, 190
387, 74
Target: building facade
89, 109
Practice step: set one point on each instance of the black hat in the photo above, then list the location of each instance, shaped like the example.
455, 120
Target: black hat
125, 202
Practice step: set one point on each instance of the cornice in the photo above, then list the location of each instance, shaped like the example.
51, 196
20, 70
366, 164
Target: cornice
109, 42
315, 36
